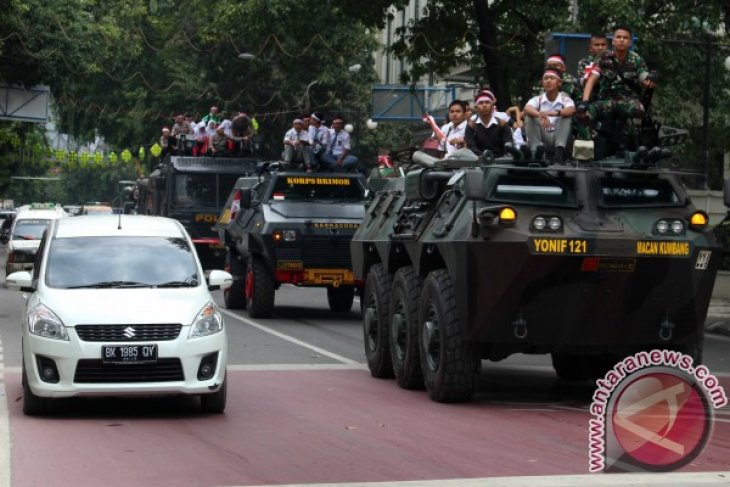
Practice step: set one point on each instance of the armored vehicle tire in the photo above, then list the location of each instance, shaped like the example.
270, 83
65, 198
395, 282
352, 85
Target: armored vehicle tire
32, 405
404, 302
599, 365
450, 364
259, 289
569, 366
214, 403
235, 296
340, 298
376, 321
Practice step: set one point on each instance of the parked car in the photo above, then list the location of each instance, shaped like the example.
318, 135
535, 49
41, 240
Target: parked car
25, 234
120, 306
6, 222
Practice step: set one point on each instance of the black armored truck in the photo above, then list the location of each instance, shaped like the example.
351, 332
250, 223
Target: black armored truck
291, 228
587, 261
193, 191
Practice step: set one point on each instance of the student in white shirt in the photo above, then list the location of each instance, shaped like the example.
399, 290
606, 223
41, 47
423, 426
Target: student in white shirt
337, 156
297, 145
450, 136
548, 116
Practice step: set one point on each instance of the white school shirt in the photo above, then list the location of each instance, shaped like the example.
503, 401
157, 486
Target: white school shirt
339, 141
451, 131
293, 135
541, 103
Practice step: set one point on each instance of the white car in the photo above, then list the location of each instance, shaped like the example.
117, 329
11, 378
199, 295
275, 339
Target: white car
26, 232
119, 306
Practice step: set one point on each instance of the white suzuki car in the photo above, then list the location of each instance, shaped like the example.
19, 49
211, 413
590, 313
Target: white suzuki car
119, 306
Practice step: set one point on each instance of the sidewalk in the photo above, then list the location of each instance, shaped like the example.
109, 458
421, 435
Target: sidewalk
718, 317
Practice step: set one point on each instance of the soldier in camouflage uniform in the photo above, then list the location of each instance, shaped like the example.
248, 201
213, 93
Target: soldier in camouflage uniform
597, 44
622, 74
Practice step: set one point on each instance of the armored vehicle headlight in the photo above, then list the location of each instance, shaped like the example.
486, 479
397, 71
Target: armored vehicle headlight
507, 215
662, 226
284, 235
677, 226
538, 223
554, 223
698, 220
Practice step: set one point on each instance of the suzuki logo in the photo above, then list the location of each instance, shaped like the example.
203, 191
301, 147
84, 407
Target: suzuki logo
129, 332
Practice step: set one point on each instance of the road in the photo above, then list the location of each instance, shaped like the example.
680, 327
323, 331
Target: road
302, 408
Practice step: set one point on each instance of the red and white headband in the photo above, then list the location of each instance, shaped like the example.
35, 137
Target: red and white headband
555, 59
485, 95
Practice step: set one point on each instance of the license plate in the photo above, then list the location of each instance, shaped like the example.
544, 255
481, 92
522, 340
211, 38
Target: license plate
128, 354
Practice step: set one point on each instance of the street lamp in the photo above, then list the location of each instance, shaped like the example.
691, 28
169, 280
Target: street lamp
246, 56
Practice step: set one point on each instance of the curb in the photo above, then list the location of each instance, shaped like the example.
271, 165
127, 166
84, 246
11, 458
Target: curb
718, 325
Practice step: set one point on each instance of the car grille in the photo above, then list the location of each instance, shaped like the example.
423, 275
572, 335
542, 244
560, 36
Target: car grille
93, 371
318, 252
128, 333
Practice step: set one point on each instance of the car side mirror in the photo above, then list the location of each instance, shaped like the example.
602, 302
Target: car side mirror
219, 280
20, 281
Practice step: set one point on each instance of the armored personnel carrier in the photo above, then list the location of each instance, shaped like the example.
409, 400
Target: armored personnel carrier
587, 262
291, 228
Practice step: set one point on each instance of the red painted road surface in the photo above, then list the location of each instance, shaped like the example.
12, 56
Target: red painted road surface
301, 427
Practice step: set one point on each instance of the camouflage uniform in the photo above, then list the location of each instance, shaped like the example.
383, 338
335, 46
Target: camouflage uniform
571, 86
615, 95
580, 73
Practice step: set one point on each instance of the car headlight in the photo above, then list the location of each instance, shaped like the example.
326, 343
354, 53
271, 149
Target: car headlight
44, 323
208, 322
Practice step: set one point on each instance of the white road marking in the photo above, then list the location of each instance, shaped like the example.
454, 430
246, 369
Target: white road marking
266, 367
290, 339
4, 427
595, 480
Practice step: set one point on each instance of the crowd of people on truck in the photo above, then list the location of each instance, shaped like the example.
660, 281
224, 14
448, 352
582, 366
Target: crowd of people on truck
309, 142
315, 146
213, 135
607, 86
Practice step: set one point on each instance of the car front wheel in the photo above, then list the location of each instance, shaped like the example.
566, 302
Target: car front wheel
32, 405
214, 403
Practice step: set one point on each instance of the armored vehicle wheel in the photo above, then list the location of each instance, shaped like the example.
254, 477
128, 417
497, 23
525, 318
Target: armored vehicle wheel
340, 298
449, 363
570, 366
235, 296
375, 319
259, 289
404, 302
599, 365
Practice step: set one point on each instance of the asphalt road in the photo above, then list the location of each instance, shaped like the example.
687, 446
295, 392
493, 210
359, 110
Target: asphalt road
302, 408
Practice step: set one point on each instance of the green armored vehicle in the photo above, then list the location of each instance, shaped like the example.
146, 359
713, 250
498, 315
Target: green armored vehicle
588, 262
291, 228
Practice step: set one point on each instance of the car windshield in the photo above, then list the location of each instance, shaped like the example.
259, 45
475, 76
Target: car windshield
27, 229
201, 190
302, 188
121, 262
637, 192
